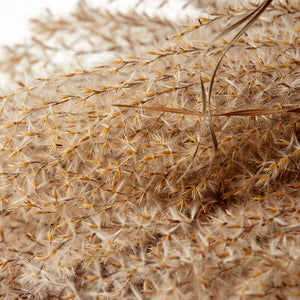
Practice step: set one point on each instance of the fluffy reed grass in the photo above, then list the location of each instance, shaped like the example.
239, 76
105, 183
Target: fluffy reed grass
133, 201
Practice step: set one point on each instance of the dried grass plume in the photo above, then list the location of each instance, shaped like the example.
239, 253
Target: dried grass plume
168, 172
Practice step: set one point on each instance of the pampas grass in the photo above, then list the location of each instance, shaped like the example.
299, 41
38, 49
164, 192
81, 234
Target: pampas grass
111, 187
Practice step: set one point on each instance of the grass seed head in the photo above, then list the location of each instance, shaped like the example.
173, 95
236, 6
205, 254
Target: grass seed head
110, 184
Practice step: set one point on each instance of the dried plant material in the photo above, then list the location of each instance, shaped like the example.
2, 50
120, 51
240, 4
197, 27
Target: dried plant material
249, 19
110, 185
246, 112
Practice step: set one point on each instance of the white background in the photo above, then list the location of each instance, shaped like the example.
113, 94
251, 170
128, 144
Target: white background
15, 15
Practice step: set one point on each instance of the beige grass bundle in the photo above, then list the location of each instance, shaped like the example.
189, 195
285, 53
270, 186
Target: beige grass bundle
107, 202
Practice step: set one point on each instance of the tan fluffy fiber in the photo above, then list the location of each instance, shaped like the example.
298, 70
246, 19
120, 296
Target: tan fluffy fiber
107, 202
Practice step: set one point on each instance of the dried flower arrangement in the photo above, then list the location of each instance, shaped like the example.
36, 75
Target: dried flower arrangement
171, 173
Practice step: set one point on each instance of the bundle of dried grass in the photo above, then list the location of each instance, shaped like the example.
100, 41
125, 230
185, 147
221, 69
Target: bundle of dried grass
111, 187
